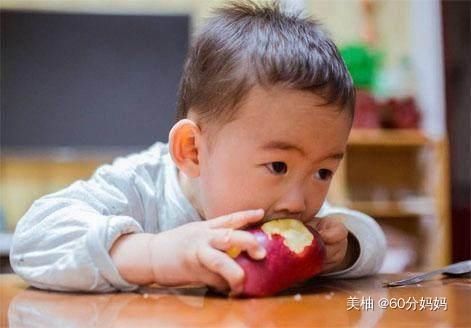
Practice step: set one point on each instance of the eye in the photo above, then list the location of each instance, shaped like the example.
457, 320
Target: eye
324, 174
277, 167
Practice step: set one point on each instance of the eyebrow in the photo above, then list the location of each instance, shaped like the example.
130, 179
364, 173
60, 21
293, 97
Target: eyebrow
282, 145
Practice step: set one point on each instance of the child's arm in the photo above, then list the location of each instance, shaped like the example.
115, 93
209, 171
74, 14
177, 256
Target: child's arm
63, 241
366, 243
190, 254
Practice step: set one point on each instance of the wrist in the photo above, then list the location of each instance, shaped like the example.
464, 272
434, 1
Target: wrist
165, 266
130, 254
153, 259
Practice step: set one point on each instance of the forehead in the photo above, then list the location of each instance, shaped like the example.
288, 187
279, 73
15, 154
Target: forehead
288, 115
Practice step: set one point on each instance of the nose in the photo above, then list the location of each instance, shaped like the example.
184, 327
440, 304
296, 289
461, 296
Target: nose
293, 203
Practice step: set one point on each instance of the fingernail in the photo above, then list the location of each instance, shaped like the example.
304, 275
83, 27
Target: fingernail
258, 212
260, 253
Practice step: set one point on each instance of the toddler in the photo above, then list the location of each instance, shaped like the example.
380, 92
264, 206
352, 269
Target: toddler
265, 110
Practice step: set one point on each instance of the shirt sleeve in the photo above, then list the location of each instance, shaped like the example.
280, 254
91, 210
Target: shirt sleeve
63, 240
370, 237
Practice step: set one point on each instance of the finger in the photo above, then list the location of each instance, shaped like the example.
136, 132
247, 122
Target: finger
322, 224
334, 261
329, 221
314, 223
335, 254
225, 239
334, 234
215, 281
221, 264
236, 220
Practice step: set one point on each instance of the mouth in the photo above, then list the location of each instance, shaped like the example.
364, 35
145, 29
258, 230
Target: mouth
272, 218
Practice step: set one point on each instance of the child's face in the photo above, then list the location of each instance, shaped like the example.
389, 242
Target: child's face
279, 154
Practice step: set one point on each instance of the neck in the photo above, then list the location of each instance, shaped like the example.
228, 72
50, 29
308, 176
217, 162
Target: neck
189, 190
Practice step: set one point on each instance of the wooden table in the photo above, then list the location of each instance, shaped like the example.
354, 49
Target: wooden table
318, 303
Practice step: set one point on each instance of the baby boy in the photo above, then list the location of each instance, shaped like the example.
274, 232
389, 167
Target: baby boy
265, 110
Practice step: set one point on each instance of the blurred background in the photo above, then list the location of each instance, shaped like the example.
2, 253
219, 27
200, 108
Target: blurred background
85, 81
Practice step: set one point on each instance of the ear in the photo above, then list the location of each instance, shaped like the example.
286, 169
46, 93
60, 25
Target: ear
183, 144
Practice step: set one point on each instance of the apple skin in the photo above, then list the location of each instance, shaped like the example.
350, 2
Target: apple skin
282, 267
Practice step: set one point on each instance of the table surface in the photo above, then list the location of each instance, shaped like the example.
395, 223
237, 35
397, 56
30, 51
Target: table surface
317, 303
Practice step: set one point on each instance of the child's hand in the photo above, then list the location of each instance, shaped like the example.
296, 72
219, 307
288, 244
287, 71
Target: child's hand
335, 237
195, 252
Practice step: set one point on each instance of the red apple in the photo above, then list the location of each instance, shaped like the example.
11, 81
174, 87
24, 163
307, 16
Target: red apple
295, 252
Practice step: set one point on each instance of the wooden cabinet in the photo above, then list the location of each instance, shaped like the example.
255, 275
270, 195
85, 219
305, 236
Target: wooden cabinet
400, 178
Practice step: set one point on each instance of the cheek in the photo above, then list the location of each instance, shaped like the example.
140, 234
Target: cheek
318, 195
227, 186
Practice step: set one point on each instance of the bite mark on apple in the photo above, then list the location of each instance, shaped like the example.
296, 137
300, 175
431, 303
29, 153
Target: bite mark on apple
296, 235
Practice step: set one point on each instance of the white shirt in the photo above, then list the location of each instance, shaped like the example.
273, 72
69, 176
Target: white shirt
63, 241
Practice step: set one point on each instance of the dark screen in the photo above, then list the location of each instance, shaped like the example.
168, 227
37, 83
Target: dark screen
89, 79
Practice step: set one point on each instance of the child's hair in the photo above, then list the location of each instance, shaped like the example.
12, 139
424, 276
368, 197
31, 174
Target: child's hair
246, 44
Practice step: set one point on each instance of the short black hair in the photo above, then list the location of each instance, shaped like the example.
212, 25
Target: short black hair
246, 44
